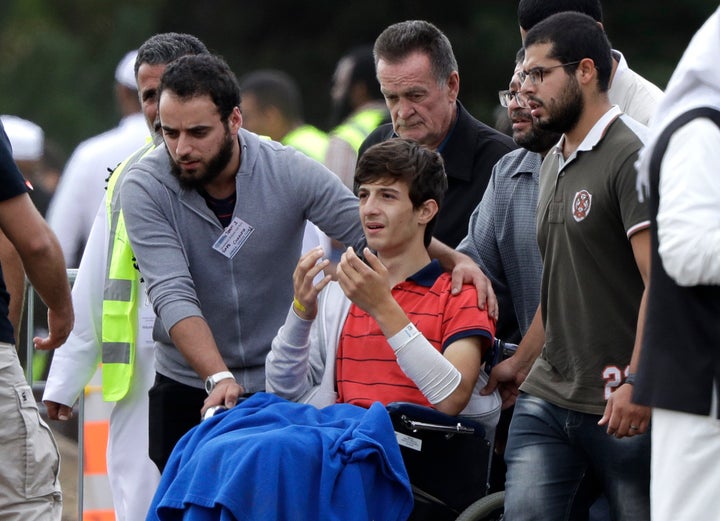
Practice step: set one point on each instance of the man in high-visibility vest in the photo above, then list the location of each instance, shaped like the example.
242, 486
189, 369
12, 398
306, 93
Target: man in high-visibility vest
272, 106
114, 316
358, 109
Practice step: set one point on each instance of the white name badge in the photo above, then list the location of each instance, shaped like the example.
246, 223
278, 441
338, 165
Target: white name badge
233, 238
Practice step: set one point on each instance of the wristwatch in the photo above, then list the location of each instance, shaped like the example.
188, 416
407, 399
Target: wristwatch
212, 380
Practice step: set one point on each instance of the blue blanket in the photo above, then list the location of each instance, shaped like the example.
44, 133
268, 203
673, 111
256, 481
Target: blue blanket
269, 459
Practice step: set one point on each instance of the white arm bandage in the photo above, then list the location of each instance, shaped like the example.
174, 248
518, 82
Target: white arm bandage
434, 375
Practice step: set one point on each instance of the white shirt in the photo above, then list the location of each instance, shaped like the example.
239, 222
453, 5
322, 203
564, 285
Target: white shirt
688, 218
689, 188
82, 183
635, 95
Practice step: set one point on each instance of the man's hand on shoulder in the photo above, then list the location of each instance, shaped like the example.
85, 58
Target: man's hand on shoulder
466, 271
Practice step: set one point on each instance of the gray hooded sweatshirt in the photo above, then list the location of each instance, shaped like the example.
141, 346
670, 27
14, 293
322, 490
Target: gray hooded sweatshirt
244, 299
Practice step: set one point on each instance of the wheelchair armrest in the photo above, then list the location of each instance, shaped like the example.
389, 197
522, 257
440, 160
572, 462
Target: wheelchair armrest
430, 418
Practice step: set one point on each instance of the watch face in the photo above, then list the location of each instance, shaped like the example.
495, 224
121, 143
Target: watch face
209, 385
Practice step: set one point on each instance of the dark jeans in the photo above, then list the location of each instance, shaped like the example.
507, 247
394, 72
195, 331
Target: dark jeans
559, 460
174, 410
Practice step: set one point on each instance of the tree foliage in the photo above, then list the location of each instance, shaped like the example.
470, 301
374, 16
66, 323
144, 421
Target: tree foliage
57, 58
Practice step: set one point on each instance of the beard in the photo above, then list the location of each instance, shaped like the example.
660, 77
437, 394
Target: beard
564, 114
536, 139
197, 178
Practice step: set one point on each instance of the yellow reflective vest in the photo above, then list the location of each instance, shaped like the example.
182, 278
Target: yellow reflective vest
309, 140
357, 127
120, 295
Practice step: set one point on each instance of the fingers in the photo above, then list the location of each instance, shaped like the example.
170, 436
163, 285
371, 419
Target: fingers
486, 295
508, 398
470, 273
226, 393
58, 411
46, 344
349, 265
624, 420
65, 413
306, 271
60, 326
490, 386
308, 263
52, 409
456, 283
492, 303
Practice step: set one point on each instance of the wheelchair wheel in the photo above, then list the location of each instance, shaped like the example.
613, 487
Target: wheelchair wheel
488, 508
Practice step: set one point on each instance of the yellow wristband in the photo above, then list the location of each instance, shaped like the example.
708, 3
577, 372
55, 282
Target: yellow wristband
298, 305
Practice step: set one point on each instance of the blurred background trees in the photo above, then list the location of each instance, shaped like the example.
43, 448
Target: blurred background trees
57, 57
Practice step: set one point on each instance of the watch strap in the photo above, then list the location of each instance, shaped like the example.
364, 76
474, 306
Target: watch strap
213, 379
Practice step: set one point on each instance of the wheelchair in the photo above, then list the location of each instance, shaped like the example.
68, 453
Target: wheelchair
448, 461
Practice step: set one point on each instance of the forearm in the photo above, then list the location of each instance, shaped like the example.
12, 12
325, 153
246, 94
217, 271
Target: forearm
43, 262
193, 338
388, 314
639, 331
433, 374
45, 268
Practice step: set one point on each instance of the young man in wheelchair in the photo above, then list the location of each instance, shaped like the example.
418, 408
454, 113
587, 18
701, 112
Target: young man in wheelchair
389, 329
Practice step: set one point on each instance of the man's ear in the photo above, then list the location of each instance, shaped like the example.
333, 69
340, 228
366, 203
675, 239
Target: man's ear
235, 120
427, 211
588, 72
453, 85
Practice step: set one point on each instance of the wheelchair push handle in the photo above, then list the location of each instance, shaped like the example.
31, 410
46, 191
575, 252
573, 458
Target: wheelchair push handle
415, 426
420, 418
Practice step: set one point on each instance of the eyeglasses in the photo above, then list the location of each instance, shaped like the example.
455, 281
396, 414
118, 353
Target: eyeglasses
537, 74
506, 96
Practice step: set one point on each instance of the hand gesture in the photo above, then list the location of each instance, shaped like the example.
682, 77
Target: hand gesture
365, 284
306, 291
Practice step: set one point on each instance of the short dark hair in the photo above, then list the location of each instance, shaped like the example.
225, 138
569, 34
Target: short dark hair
202, 75
164, 48
422, 169
274, 88
574, 37
532, 12
363, 70
400, 40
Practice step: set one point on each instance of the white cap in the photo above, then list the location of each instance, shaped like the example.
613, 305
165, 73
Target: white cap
27, 138
125, 71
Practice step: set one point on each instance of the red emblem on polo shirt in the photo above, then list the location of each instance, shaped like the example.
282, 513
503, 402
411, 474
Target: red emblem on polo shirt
581, 205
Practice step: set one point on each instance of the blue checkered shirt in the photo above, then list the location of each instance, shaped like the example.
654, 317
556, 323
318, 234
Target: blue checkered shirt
502, 240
